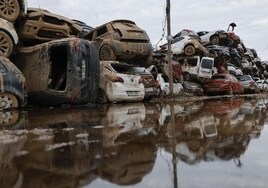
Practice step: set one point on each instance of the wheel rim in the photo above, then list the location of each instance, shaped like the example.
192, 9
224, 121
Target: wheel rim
9, 9
189, 50
8, 118
8, 101
106, 53
6, 44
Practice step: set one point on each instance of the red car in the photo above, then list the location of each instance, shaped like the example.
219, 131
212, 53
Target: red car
223, 84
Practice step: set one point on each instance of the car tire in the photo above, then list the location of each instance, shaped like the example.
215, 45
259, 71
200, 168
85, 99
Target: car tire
9, 10
107, 53
6, 44
189, 50
8, 101
214, 40
8, 118
102, 98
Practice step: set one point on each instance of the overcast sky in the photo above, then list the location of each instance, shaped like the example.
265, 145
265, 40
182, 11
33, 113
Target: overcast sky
251, 16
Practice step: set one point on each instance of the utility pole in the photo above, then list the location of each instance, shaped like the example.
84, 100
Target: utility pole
169, 38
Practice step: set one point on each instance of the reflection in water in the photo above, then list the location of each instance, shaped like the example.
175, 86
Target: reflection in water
118, 143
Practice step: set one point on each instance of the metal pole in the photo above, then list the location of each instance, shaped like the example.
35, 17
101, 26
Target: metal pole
169, 38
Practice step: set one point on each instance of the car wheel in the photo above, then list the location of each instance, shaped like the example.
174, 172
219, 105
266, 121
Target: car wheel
8, 117
189, 50
214, 40
107, 53
6, 44
102, 98
9, 10
8, 101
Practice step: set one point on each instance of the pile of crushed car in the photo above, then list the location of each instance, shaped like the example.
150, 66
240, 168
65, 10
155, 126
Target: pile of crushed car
49, 59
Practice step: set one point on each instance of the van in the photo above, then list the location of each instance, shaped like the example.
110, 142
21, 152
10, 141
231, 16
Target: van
196, 67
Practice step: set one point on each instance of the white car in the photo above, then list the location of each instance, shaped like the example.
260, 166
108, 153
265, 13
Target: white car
8, 38
118, 83
185, 45
213, 37
164, 86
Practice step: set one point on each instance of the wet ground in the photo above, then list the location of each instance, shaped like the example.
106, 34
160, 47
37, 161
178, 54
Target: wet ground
207, 143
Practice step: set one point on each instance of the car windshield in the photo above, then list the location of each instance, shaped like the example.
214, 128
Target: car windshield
207, 63
122, 68
2, 68
244, 78
218, 77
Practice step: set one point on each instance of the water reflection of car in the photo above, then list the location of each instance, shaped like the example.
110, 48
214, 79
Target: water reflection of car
223, 84
122, 119
121, 40
12, 9
8, 38
248, 84
118, 83
42, 26
12, 85
64, 71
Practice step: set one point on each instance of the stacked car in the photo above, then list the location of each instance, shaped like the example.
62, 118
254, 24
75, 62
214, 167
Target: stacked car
66, 61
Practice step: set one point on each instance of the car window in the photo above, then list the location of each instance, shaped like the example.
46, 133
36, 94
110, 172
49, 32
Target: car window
216, 77
177, 39
244, 78
122, 68
207, 63
102, 30
2, 68
89, 36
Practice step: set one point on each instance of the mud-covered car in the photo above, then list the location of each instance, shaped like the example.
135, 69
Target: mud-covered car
223, 84
149, 81
8, 38
42, 26
64, 71
118, 83
12, 85
248, 84
186, 45
121, 40
192, 87
215, 37
11, 9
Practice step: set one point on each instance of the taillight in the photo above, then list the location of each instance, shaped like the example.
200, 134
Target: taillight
140, 81
157, 83
119, 79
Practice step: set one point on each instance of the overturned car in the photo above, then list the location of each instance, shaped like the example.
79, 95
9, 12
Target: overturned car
64, 71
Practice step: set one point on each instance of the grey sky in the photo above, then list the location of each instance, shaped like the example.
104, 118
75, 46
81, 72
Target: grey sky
250, 16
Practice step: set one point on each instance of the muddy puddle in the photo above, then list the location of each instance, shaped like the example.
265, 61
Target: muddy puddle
208, 143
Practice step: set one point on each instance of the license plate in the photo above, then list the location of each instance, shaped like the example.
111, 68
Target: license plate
132, 93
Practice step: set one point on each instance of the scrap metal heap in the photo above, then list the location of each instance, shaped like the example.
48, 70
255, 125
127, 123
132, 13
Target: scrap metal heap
59, 57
